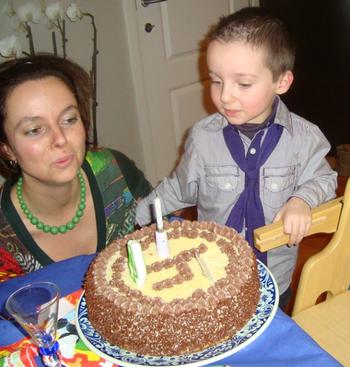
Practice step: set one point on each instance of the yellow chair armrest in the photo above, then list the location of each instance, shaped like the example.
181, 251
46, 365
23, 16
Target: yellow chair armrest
325, 219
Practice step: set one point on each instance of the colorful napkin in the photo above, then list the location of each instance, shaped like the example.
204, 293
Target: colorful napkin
73, 350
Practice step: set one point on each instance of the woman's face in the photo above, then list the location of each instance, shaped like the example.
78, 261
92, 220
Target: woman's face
44, 129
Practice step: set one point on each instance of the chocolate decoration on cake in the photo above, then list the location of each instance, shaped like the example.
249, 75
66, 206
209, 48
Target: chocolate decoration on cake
178, 310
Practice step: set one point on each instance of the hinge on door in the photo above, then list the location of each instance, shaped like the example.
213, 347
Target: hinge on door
149, 2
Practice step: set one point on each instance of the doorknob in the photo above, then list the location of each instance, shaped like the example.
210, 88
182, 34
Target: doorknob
149, 2
149, 27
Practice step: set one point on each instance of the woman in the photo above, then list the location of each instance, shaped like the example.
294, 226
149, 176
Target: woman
60, 199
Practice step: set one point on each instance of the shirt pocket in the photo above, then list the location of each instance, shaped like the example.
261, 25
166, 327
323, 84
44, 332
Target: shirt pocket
222, 178
278, 185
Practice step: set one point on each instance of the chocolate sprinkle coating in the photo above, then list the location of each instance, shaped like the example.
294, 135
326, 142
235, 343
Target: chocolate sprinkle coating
153, 326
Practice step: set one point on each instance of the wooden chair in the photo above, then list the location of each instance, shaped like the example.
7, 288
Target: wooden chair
327, 272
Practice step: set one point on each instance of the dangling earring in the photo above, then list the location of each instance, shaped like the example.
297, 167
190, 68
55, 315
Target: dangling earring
13, 163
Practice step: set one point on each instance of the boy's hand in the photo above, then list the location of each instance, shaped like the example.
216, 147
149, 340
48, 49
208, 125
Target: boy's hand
296, 218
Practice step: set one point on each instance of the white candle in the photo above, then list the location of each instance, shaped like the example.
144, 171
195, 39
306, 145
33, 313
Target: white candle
158, 213
162, 244
161, 235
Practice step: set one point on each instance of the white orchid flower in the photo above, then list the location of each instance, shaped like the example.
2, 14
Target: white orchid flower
42, 4
55, 12
29, 13
10, 47
74, 13
7, 9
49, 24
17, 25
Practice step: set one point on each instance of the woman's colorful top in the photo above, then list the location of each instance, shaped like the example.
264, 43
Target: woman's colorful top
115, 184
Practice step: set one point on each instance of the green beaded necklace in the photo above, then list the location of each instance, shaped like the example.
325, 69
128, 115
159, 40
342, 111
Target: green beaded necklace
45, 227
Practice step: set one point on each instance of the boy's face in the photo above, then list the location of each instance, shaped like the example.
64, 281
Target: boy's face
242, 86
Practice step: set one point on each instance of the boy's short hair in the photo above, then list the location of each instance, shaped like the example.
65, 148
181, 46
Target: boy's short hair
258, 28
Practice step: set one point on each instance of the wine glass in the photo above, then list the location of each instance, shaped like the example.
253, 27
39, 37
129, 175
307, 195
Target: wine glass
35, 308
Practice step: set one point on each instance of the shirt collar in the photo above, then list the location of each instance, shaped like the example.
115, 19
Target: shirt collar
282, 115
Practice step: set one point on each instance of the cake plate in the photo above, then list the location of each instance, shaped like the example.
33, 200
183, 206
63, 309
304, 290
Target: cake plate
265, 311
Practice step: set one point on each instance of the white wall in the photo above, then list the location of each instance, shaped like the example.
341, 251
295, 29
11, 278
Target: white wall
116, 112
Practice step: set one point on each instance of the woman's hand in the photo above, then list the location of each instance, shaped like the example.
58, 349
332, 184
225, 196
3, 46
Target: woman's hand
296, 218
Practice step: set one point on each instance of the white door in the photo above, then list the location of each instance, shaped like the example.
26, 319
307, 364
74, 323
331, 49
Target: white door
168, 54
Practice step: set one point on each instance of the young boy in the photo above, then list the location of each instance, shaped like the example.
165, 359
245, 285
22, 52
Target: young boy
253, 162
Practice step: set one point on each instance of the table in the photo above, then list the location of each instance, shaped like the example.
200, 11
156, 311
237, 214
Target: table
283, 343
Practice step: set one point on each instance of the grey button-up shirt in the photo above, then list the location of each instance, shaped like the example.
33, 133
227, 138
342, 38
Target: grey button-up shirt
208, 177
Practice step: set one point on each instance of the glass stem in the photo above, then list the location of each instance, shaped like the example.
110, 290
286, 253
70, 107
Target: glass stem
51, 356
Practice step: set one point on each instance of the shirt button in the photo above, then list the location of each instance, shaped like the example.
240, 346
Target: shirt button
274, 186
252, 151
228, 186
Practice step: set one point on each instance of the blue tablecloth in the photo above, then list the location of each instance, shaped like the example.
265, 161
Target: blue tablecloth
283, 343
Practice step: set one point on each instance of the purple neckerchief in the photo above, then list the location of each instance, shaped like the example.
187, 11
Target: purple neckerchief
248, 209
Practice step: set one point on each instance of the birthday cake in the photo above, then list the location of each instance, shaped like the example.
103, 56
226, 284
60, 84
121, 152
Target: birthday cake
199, 296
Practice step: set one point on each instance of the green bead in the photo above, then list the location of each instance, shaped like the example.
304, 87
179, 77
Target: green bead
30, 216
54, 230
62, 229
70, 225
79, 213
34, 221
75, 220
82, 206
40, 225
46, 228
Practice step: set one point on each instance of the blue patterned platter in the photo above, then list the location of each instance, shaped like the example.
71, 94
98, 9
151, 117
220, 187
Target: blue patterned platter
264, 314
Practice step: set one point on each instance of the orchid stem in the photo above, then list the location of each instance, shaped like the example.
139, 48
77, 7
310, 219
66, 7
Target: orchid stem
30, 39
54, 43
93, 75
62, 29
